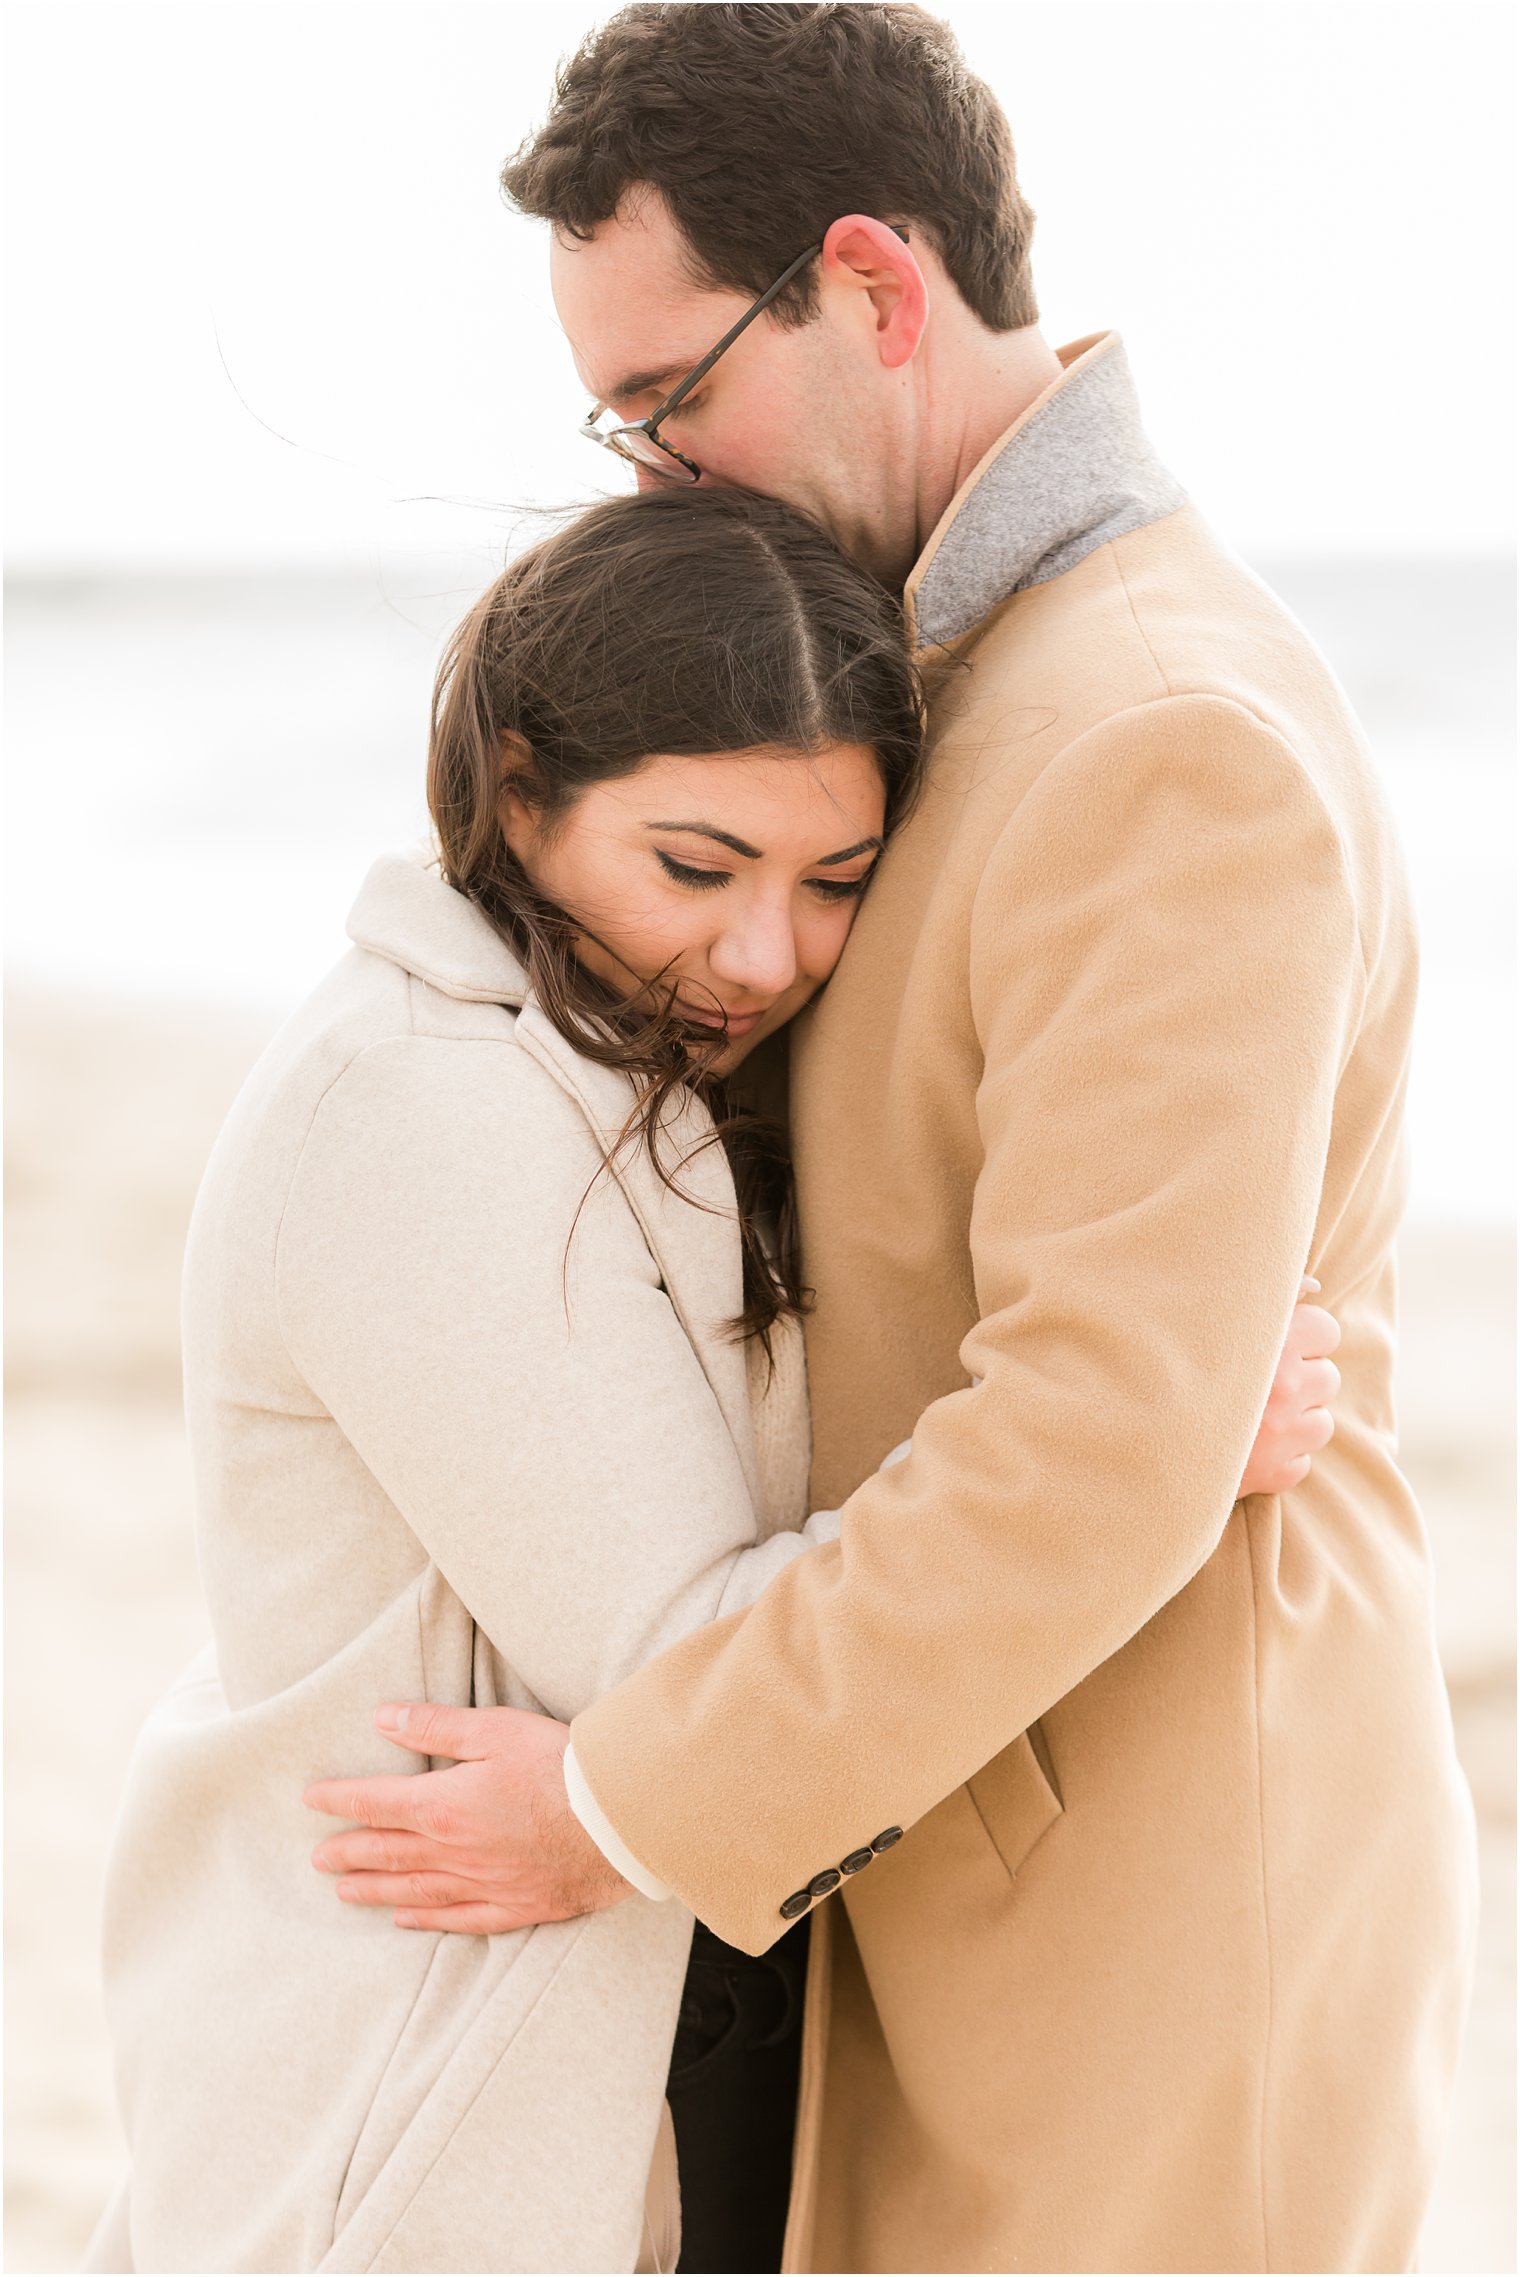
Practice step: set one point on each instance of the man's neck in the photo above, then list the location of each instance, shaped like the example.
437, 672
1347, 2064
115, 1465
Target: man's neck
976, 383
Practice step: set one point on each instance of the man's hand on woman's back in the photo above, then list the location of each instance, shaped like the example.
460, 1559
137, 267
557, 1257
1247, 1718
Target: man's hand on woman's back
489, 1845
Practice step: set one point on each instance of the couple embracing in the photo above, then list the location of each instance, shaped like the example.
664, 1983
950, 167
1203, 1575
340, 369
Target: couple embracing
752, 1330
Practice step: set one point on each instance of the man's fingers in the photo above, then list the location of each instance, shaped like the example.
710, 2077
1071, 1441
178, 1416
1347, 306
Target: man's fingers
461, 1734
428, 1890
386, 1851
470, 1920
417, 1804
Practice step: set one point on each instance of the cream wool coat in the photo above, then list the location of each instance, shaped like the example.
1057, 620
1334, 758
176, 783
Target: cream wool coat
1169, 1968
436, 1456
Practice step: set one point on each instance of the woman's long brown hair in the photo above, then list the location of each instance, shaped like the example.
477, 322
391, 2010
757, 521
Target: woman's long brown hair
667, 624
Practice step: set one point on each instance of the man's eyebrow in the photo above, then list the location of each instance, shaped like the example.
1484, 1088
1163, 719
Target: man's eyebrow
641, 383
752, 853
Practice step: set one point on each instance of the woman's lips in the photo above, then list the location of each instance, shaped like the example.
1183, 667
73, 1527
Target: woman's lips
737, 1023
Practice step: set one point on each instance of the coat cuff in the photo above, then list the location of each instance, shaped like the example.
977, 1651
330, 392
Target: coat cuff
606, 1837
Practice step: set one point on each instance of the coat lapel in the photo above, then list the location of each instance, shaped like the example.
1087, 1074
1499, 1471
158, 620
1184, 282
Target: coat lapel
407, 913
691, 1231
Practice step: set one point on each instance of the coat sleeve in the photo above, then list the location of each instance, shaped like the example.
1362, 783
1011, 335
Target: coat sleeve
1164, 976
479, 1312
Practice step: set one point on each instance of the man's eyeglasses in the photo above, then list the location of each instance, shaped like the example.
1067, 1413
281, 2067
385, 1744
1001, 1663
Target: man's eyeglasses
641, 441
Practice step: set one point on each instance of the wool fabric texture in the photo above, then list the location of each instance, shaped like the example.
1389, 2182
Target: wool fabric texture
1169, 1969
466, 1426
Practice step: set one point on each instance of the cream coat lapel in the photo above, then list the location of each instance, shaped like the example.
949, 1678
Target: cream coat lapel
407, 913
690, 1232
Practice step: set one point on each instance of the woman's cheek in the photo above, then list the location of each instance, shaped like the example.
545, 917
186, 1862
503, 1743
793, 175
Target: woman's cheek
667, 929
828, 946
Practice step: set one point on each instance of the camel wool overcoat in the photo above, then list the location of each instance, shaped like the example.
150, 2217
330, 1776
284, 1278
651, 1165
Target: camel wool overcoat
1168, 1967
442, 1450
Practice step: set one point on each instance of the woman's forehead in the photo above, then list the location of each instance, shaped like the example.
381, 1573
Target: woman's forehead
771, 800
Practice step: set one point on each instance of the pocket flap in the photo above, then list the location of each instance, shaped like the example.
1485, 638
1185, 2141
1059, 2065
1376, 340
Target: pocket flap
1016, 1801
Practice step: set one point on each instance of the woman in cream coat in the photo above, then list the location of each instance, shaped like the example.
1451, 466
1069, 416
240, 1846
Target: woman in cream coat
469, 1415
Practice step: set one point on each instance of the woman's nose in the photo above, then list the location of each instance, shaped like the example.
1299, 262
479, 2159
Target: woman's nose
757, 952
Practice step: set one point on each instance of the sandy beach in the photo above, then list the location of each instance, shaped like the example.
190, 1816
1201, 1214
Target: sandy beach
111, 1110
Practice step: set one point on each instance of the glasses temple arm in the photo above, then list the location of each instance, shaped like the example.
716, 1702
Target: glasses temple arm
700, 371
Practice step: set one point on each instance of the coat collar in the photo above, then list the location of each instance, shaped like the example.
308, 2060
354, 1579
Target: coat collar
408, 914
1072, 472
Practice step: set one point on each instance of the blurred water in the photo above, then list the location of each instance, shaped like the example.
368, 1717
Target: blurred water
202, 767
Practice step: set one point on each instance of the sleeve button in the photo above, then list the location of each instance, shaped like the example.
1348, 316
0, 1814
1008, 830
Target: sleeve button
855, 1861
821, 1884
798, 1902
886, 1838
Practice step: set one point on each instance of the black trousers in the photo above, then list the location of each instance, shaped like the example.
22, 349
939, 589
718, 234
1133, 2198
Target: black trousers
733, 2097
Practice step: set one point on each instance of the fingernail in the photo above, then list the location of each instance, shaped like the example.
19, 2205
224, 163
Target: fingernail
406, 1920
391, 1719
1311, 1285
319, 1860
348, 1889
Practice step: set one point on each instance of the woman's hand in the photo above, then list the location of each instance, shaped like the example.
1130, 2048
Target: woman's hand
1297, 1421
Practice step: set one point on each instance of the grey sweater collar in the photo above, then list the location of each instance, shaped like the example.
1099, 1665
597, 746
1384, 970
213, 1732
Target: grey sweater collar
1073, 472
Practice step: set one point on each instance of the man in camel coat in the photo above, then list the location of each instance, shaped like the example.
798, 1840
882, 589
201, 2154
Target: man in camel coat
1154, 1867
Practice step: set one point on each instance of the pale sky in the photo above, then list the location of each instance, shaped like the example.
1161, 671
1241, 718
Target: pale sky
1301, 217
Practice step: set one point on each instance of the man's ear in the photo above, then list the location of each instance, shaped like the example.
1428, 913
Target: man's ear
867, 257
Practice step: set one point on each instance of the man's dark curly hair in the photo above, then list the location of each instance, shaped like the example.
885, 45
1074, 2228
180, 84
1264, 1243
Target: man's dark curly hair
759, 125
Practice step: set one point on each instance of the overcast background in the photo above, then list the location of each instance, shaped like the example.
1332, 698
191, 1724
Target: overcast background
1300, 216
281, 374
268, 314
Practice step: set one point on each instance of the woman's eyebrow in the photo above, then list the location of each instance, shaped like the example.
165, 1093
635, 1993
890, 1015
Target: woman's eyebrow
752, 853
709, 830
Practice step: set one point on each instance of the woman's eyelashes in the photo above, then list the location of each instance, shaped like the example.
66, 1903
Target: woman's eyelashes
701, 881
708, 881
840, 889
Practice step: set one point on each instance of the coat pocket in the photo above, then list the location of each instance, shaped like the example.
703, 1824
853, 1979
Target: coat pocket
1016, 1798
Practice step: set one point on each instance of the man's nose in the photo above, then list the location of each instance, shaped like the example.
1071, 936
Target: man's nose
757, 951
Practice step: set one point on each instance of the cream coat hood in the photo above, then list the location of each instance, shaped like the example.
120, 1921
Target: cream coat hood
407, 913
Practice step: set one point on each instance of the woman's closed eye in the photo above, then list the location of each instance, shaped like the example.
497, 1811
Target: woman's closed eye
708, 881
701, 881
841, 889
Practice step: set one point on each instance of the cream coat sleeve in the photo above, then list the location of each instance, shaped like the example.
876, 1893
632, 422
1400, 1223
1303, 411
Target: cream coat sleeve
1164, 974
523, 1393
